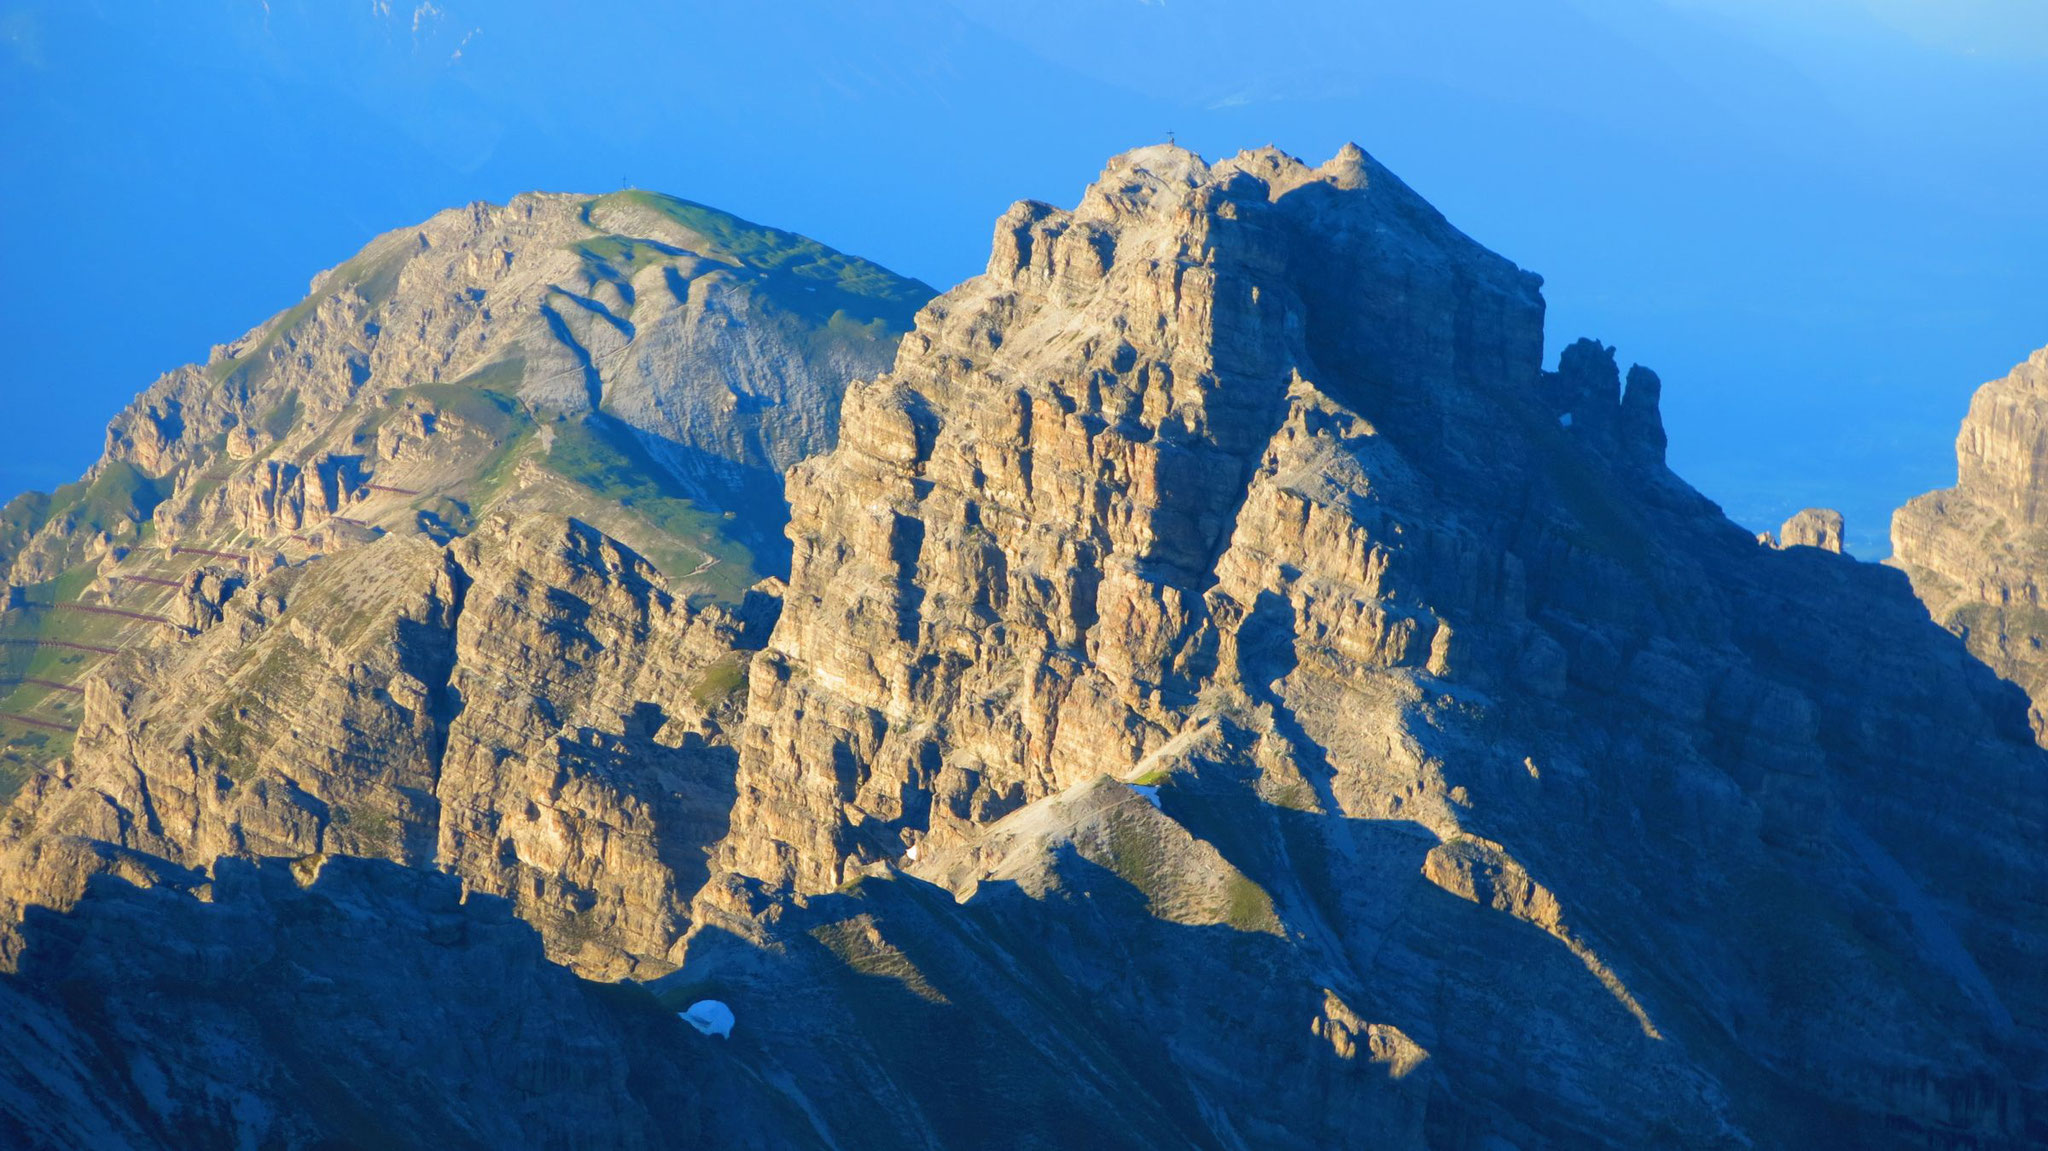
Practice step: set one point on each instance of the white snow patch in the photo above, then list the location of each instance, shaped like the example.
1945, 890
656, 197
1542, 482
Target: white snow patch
709, 1017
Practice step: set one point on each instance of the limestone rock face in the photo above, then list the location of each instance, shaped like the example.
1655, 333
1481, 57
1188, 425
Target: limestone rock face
1977, 553
528, 707
1814, 528
1012, 550
1244, 481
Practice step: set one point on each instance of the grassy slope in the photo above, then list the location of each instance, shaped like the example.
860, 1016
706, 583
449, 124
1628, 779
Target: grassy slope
607, 459
826, 287
24, 747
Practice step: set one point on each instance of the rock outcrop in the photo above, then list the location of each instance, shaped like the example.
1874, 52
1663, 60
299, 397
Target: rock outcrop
1977, 553
1813, 528
647, 365
487, 350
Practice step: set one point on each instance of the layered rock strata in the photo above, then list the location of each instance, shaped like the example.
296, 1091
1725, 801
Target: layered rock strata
528, 707
426, 369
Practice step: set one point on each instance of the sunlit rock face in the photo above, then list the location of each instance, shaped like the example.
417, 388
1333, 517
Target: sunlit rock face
1813, 528
1245, 480
527, 707
1977, 553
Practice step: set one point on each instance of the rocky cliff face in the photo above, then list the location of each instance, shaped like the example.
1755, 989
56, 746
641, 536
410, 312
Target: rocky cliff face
527, 707
1977, 552
1226, 694
1813, 528
1243, 482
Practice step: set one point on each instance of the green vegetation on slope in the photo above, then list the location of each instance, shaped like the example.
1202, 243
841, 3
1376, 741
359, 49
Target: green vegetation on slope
609, 460
619, 257
25, 747
803, 275
278, 424
597, 454
120, 495
720, 681
19, 520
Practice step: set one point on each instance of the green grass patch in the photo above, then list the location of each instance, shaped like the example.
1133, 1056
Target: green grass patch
498, 378
1137, 858
41, 620
724, 678
209, 481
619, 258
20, 519
495, 412
797, 266
499, 468
1247, 907
120, 494
373, 828
864, 952
610, 461
485, 400
284, 417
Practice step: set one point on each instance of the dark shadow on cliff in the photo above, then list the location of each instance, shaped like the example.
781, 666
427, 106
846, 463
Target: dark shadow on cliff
370, 1006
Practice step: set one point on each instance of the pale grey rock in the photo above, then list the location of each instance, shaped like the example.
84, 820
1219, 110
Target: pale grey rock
432, 362
528, 707
1814, 528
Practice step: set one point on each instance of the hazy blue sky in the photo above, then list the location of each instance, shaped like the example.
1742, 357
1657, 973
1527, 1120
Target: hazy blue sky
1823, 227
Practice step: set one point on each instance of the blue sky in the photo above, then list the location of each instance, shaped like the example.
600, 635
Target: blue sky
1821, 222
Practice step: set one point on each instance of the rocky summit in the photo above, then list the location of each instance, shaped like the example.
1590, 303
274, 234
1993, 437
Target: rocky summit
1225, 693
646, 364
